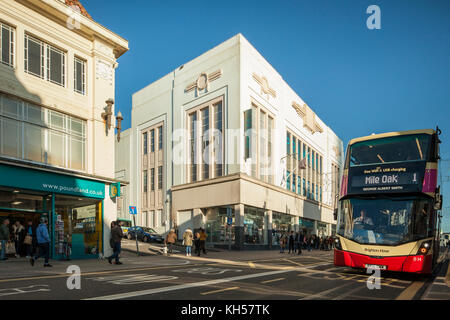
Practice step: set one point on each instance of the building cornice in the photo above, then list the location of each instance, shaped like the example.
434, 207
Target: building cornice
62, 13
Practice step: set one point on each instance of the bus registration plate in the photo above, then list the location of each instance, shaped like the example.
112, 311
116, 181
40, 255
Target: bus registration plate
375, 266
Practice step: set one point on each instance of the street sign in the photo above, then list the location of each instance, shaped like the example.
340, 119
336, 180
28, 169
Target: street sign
133, 210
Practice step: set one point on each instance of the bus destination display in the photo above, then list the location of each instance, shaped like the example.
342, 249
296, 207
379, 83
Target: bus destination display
387, 178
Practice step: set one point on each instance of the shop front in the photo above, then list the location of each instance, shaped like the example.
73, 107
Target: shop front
220, 227
306, 226
282, 224
73, 206
254, 226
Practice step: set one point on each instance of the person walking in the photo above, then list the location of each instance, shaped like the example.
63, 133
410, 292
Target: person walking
4, 238
43, 240
19, 236
282, 243
203, 237
116, 242
30, 239
171, 238
300, 242
291, 242
188, 237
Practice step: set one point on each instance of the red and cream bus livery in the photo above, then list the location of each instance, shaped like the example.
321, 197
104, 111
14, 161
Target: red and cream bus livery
389, 202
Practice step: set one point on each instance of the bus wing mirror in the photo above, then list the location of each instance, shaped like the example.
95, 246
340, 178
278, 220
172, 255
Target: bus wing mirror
438, 203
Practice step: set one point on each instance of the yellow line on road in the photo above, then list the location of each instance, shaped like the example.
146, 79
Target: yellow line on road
251, 264
221, 290
273, 280
411, 291
297, 263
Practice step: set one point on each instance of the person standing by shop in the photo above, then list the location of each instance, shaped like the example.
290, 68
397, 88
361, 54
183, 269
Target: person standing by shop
203, 237
187, 241
4, 238
300, 240
19, 236
43, 240
282, 243
116, 241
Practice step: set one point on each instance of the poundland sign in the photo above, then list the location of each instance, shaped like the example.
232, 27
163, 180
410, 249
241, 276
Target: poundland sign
24, 178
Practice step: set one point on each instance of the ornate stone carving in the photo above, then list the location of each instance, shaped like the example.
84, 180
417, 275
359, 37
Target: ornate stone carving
203, 81
308, 116
104, 71
264, 83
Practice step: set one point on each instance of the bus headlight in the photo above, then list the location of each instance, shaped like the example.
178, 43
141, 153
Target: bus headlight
424, 248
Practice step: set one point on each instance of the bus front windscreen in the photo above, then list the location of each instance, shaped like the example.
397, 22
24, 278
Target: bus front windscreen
385, 221
405, 148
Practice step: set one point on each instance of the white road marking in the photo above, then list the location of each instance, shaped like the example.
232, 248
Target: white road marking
186, 286
207, 270
133, 279
14, 291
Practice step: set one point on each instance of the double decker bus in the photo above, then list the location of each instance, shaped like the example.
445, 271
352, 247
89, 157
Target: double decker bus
389, 201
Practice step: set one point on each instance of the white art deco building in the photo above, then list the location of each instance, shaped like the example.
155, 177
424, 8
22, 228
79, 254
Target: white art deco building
220, 143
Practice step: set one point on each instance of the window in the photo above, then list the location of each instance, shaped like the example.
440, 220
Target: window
152, 179
152, 140
193, 146
160, 138
299, 190
6, 45
205, 143
247, 132
205, 126
160, 178
37, 134
269, 147
145, 181
288, 144
294, 183
79, 76
218, 140
145, 138
288, 182
45, 61
262, 145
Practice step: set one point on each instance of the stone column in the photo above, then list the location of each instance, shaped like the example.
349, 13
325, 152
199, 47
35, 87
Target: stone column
239, 225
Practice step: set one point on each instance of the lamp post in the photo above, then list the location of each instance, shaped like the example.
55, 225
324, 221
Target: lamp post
119, 119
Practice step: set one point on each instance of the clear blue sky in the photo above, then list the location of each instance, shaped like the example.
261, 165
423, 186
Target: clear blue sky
357, 80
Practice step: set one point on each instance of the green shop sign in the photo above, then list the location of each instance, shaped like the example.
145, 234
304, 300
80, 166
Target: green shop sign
23, 178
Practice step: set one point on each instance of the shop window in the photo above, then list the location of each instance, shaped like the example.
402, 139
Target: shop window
78, 221
281, 225
254, 230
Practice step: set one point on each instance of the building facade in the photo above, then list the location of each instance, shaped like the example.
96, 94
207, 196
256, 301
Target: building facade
57, 122
224, 143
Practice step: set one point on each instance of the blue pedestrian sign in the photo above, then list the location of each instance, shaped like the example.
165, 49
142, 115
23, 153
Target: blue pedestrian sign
133, 210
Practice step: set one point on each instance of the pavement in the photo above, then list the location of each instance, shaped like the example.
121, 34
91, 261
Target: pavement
219, 275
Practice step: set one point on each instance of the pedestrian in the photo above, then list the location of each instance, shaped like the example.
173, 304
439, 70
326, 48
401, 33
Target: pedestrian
4, 238
282, 243
300, 243
187, 241
43, 240
309, 243
203, 237
171, 238
30, 239
116, 242
291, 242
19, 236
297, 235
